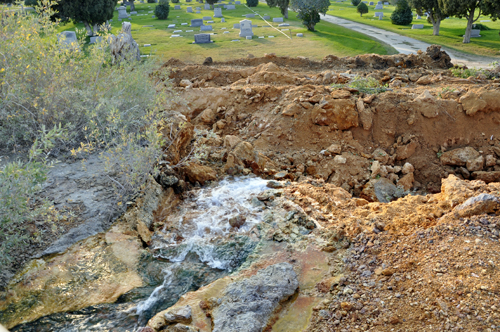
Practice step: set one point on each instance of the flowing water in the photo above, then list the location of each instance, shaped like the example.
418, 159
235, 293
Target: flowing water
196, 246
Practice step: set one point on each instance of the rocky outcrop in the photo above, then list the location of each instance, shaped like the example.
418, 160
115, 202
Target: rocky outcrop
338, 113
123, 46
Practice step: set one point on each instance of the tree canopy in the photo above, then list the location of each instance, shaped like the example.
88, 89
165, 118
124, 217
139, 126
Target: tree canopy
308, 11
362, 8
281, 4
435, 11
91, 12
402, 15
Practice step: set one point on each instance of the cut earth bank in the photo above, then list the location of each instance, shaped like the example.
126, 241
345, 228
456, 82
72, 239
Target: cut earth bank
382, 213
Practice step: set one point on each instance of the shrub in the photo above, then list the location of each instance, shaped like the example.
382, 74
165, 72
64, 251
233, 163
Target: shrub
31, 3
402, 15
355, 2
162, 10
367, 85
252, 3
362, 8
175, 1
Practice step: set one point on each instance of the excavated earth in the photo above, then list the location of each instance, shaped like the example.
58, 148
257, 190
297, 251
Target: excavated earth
383, 212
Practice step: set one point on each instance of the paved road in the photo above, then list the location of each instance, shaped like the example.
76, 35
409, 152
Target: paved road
408, 45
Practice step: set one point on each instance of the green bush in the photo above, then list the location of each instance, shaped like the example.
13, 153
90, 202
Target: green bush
402, 15
367, 85
162, 10
175, 1
362, 8
252, 3
31, 3
355, 2
151, 1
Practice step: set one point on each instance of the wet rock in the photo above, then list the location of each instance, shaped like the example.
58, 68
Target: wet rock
178, 315
199, 173
475, 164
459, 157
237, 221
338, 113
247, 305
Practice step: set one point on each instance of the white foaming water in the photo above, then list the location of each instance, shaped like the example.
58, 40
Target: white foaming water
207, 218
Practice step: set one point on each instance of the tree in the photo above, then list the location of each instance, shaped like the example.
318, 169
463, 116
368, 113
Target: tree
308, 11
435, 11
281, 4
355, 2
91, 12
211, 2
252, 3
362, 8
162, 10
402, 15
467, 9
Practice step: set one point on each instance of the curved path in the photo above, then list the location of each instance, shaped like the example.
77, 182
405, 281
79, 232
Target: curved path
407, 45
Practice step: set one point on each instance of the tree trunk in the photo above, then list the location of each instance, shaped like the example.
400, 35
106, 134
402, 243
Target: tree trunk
470, 20
90, 33
435, 26
132, 6
286, 12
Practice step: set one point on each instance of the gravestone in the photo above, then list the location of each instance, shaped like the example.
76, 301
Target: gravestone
218, 12
198, 22
246, 28
177, 7
198, 12
386, 3
67, 38
278, 19
237, 2
189, 9
378, 14
250, 15
380, 17
207, 6
223, 20
206, 28
378, 7
284, 25
171, 26
417, 26
133, 13
267, 17
475, 33
122, 12
418, 17
230, 7
202, 38
207, 18
210, 22
371, 3
226, 31
236, 26
300, 35
184, 24
189, 30
176, 31
248, 37
198, 8
174, 36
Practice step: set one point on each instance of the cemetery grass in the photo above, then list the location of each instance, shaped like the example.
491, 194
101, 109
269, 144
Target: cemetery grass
329, 38
450, 34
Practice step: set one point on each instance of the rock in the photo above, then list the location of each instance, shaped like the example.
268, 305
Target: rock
490, 160
339, 113
426, 104
406, 151
208, 116
178, 315
208, 61
185, 83
280, 175
380, 155
487, 176
414, 76
480, 204
145, 329
180, 328
424, 80
340, 159
231, 141
275, 184
475, 164
167, 181
459, 157
406, 182
379, 190
408, 168
237, 221
247, 305
144, 232
293, 109
340, 94
436, 55
375, 168
199, 173
123, 47
482, 100
334, 149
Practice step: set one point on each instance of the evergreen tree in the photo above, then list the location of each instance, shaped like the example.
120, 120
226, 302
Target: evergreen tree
355, 2
402, 15
468, 9
252, 3
433, 8
162, 10
308, 11
211, 3
91, 12
281, 4
362, 8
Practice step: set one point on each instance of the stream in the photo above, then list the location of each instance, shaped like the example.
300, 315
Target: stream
196, 246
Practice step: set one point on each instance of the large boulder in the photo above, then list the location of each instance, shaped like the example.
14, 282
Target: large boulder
199, 173
459, 157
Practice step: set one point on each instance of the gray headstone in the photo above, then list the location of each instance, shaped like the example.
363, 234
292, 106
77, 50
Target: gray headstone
223, 20
184, 24
379, 7
177, 7
475, 33
198, 8
198, 12
226, 31
284, 25
266, 17
67, 37
122, 12
218, 12
198, 22
230, 7
207, 6
248, 37
202, 38
210, 22
378, 14
236, 26
380, 17
246, 28
189, 9
417, 26
418, 17
206, 28
207, 18
278, 19
300, 35
171, 26
371, 3
133, 13
250, 15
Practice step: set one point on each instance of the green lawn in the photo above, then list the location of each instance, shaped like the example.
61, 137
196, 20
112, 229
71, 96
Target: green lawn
451, 31
329, 38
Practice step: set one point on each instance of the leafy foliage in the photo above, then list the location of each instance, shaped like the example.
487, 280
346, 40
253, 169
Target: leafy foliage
252, 3
175, 1
31, 3
355, 2
362, 8
402, 15
91, 12
433, 8
281, 4
309, 10
367, 85
162, 10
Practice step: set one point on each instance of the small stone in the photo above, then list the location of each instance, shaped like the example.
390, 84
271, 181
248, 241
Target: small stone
490, 160
275, 184
334, 149
339, 159
237, 221
178, 315
475, 164
185, 83
408, 168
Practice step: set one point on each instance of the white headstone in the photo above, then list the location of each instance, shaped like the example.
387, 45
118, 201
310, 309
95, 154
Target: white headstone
122, 12
378, 7
378, 14
278, 19
189, 9
207, 6
177, 7
417, 26
218, 12
171, 26
67, 38
206, 28
300, 35
246, 28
